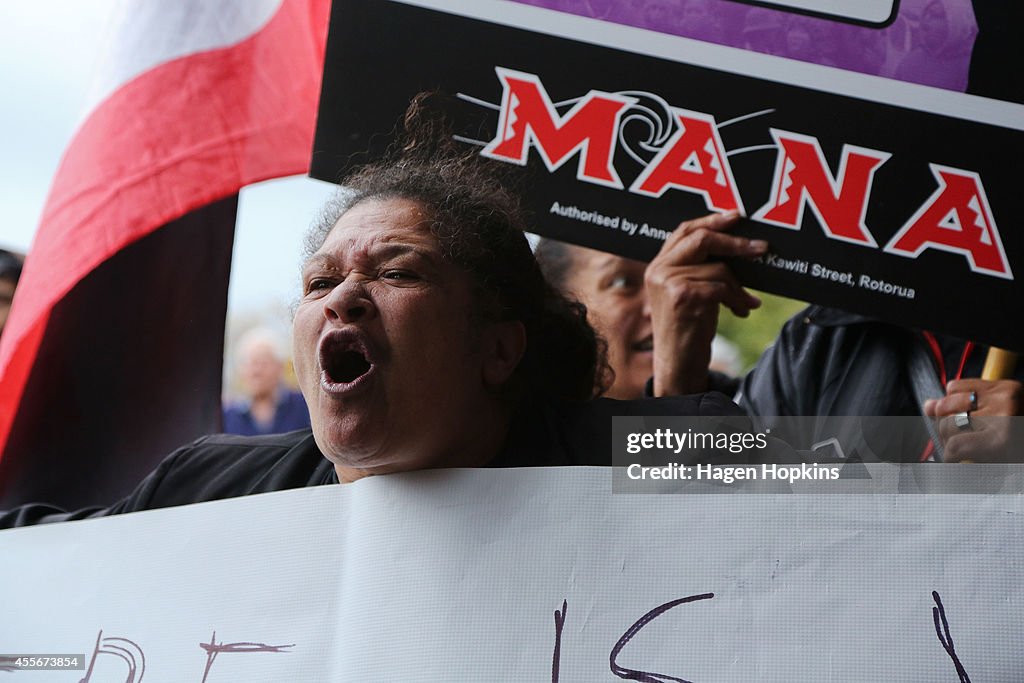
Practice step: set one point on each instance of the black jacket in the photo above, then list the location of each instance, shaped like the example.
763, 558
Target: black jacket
830, 363
224, 466
827, 362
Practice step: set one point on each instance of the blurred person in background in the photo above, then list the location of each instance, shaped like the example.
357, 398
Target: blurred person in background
700, 20
942, 43
662, 15
801, 42
10, 272
269, 406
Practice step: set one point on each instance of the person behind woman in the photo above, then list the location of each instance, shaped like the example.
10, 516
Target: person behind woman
659, 319
270, 407
10, 273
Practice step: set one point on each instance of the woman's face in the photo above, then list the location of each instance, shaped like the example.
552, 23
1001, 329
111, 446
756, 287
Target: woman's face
934, 27
612, 289
385, 346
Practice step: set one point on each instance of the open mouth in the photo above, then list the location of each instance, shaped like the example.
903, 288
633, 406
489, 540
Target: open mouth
346, 367
645, 344
344, 359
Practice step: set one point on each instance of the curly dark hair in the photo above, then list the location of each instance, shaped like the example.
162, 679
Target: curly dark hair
479, 223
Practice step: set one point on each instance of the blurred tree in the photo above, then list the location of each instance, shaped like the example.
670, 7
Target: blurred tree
754, 334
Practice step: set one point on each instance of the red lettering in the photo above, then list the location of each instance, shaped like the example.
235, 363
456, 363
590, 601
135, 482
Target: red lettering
956, 218
802, 178
528, 117
693, 161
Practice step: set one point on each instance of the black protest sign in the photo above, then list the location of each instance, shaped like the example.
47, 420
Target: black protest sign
882, 196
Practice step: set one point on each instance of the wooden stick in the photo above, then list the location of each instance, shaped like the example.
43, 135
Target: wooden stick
999, 364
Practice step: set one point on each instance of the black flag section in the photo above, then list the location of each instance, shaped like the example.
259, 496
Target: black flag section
129, 367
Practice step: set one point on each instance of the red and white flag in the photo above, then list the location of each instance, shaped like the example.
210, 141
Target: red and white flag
107, 351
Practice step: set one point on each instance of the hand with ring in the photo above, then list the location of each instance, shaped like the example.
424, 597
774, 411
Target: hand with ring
974, 420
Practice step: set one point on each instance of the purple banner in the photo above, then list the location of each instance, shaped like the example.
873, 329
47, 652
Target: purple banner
930, 41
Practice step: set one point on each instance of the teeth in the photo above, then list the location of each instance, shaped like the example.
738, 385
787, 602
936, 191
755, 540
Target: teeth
644, 345
345, 356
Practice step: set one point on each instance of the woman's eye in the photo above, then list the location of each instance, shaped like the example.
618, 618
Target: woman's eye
398, 275
621, 282
317, 284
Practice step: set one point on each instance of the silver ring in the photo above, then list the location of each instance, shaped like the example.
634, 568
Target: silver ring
962, 420
974, 401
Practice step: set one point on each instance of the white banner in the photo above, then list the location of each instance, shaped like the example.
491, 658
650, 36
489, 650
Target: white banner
524, 575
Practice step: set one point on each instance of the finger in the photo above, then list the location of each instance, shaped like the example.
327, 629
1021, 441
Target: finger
968, 385
712, 221
741, 302
977, 424
985, 386
952, 404
697, 246
982, 446
996, 397
929, 407
672, 280
753, 301
947, 429
702, 297
678, 286
721, 272
714, 271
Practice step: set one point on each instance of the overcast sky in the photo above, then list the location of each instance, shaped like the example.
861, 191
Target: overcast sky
48, 50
